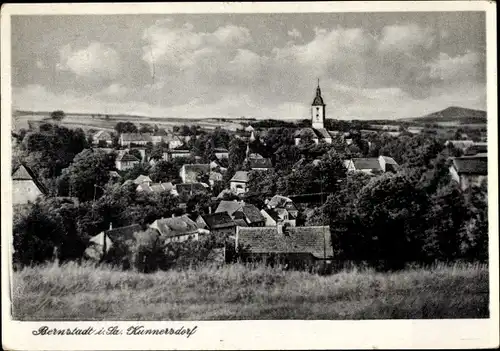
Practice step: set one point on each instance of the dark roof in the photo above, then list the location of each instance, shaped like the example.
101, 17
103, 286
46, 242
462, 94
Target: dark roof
367, 163
223, 162
477, 148
229, 206
23, 172
240, 222
279, 201
273, 214
218, 220
127, 158
318, 100
322, 133
260, 163
176, 226
251, 213
198, 168
240, 176
471, 165
123, 234
314, 240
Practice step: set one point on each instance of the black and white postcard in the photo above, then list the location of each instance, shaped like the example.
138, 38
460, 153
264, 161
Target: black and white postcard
299, 175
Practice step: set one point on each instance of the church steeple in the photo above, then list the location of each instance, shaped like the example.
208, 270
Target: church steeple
318, 100
318, 110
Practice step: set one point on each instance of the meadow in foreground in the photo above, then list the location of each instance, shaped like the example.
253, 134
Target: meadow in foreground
84, 292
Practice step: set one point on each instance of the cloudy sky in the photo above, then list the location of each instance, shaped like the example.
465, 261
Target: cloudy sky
371, 65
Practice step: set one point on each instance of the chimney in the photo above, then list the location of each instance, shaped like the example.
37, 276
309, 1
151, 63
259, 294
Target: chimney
110, 225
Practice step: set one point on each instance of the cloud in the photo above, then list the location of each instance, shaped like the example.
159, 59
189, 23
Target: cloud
96, 60
115, 90
183, 47
406, 38
294, 33
460, 67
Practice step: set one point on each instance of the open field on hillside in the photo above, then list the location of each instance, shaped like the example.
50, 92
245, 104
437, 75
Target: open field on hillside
86, 122
73, 292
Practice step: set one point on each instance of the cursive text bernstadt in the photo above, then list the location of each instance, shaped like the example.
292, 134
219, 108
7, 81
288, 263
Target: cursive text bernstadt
115, 330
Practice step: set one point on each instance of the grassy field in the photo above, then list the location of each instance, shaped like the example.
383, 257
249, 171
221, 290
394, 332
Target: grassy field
73, 292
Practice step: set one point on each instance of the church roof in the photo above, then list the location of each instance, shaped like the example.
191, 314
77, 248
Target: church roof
318, 100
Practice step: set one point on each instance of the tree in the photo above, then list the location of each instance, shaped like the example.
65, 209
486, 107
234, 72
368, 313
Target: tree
390, 210
57, 115
136, 153
164, 171
126, 127
147, 251
146, 128
35, 234
237, 154
89, 171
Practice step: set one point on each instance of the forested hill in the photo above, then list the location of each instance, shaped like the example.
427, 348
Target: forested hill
454, 114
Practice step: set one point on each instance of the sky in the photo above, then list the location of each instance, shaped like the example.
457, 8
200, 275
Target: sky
370, 65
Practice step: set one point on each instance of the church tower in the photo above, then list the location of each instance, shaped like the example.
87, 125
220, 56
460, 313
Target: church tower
318, 110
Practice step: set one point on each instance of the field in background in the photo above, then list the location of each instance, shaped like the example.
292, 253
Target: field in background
74, 292
86, 121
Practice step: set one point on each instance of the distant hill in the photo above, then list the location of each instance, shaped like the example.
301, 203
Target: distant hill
454, 114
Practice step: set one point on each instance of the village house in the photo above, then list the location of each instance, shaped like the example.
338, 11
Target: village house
239, 210
476, 148
189, 173
125, 161
219, 164
129, 139
102, 137
415, 130
259, 164
459, 144
239, 182
279, 202
371, 165
148, 187
469, 170
142, 179
158, 136
173, 141
302, 162
177, 229
294, 247
25, 186
178, 153
219, 223
113, 244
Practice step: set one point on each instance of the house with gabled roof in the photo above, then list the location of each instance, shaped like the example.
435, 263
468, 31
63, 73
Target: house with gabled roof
219, 223
177, 229
147, 187
221, 153
229, 206
128, 139
285, 207
113, 244
102, 137
371, 165
294, 247
142, 179
469, 171
25, 186
459, 144
126, 161
185, 190
238, 183
251, 215
259, 164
